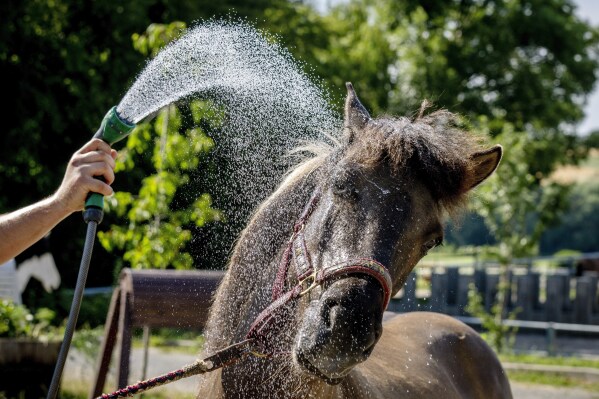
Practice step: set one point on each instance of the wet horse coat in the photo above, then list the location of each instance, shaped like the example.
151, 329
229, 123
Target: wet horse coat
384, 192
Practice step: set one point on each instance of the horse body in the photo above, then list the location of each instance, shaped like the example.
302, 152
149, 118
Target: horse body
430, 355
378, 198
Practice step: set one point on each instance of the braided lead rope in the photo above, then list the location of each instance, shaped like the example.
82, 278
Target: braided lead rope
198, 367
227, 356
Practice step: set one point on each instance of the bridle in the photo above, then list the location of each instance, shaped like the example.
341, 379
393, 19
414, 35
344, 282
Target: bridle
258, 341
308, 278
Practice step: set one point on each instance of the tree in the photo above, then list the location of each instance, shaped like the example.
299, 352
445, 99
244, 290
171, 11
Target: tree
515, 207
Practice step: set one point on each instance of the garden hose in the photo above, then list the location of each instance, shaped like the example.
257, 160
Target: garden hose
112, 129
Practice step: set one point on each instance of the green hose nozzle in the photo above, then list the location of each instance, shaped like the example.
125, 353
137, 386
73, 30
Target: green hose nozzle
112, 129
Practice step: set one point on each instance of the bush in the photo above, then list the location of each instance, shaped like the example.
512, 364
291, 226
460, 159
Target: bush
16, 321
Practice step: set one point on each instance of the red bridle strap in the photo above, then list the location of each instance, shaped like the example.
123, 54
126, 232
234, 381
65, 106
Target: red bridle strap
260, 327
309, 278
279, 284
360, 266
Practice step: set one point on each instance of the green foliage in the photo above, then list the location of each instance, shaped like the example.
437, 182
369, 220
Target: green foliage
592, 140
87, 341
155, 235
579, 227
571, 361
555, 379
16, 321
517, 206
497, 334
93, 310
517, 61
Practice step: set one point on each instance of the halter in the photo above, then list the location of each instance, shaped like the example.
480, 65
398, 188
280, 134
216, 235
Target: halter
272, 319
308, 277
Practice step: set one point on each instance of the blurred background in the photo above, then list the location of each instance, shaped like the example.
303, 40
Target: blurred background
521, 73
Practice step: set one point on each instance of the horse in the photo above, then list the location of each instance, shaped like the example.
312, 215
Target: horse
312, 272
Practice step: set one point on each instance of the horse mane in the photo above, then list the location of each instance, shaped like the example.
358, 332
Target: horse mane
432, 147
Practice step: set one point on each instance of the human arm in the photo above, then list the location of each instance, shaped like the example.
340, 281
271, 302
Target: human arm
22, 228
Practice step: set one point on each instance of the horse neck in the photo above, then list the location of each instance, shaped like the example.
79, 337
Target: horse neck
247, 286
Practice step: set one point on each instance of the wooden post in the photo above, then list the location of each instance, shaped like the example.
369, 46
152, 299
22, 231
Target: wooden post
524, 299
453, 274
479, 281
583, 304
536, 289
438, 300
554, 302
491, 284
107, 346
551, 340
125, 328
146, 342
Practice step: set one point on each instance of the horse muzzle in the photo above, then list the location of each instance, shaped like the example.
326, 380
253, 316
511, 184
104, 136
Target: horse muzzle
340, 329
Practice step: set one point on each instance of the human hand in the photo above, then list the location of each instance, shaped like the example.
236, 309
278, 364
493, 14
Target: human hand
95, 158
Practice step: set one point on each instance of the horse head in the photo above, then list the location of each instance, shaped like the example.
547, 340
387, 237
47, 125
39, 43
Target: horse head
382, 196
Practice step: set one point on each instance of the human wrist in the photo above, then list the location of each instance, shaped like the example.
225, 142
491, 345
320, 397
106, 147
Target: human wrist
58, 205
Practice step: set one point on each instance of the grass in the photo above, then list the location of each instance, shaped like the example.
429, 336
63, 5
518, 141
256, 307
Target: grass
550, 360
552, 379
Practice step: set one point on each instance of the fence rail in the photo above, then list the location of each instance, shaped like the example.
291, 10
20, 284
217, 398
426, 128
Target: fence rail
551, 329
558, 296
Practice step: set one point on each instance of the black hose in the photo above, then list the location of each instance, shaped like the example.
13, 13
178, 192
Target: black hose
77, 296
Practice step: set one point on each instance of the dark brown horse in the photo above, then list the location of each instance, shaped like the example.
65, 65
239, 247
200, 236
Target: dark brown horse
359, 216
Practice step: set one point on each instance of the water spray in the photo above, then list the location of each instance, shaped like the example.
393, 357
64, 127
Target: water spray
112, 129
254, 79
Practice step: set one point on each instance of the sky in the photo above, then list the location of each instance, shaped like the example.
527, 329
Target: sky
587, 10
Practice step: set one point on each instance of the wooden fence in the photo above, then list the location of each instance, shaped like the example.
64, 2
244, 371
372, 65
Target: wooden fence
557, 296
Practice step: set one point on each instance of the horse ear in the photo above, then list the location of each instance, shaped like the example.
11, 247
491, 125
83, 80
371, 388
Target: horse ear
356, 115
484, 164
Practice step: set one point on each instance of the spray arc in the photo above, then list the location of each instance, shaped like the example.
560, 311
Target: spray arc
254, 81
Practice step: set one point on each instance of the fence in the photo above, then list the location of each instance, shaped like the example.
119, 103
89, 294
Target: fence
557, 296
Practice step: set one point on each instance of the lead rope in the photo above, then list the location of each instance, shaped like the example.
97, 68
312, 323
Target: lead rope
198, 367
225, 357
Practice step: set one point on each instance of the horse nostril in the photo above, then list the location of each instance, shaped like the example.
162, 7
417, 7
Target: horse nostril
330, 311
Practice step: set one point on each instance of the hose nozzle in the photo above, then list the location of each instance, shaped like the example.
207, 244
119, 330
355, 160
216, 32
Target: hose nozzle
112, 129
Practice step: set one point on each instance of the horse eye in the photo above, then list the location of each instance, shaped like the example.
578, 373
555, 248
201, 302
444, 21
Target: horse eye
432, 244
344, 188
